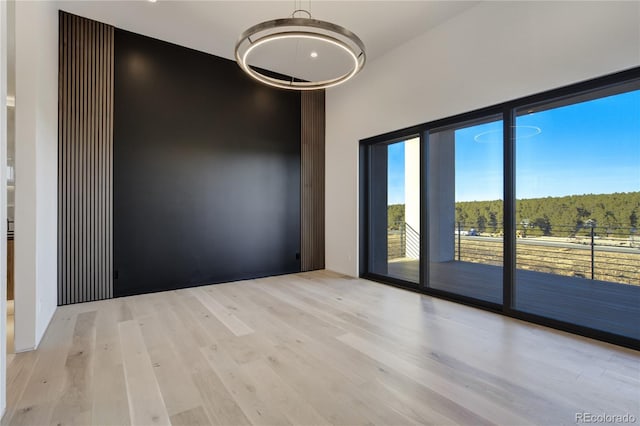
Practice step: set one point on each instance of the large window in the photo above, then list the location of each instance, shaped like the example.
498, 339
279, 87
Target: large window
531, 207
577, 209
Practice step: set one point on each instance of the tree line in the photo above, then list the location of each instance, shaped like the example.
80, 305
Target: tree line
615, 214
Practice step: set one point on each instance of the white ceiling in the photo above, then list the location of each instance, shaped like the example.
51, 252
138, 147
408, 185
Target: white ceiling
214, 26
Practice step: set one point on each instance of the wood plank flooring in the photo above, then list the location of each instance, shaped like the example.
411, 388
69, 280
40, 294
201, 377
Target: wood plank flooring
310, 349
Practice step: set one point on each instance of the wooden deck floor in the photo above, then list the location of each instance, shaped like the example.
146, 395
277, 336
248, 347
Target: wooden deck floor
310, 349
601, 305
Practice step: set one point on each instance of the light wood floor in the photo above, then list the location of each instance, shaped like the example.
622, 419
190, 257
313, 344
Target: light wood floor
10, 329
310, 349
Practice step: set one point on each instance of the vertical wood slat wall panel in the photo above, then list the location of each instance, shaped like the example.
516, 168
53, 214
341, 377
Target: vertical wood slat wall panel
85, 143
313, 172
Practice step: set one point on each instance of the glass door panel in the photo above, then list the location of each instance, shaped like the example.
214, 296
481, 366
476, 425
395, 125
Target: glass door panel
465, 209
394, 211
578, 210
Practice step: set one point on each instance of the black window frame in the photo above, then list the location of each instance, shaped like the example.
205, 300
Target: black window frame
508, 111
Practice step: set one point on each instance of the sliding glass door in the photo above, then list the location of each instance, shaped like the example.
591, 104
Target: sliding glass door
577, 209
531, 208
465, 209
394, 214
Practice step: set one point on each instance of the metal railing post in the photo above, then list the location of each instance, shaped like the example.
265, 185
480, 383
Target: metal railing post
592, 252
459, 254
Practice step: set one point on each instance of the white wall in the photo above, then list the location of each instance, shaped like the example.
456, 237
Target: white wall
494, 52
3, 207
36, 170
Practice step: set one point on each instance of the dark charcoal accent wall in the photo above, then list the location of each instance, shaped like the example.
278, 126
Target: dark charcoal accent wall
206, 170
85, 111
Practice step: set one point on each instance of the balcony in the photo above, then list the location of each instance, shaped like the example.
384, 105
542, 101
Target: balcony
569, 279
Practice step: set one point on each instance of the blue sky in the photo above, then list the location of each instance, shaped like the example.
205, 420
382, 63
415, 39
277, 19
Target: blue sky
395, 174
590, 147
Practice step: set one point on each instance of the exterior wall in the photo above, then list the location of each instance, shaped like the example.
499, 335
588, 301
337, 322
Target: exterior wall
491, 53
412, 197
442, 195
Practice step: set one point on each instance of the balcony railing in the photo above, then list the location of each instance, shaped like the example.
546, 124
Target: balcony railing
591, 252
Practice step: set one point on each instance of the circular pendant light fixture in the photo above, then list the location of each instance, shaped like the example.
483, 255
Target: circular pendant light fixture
300, 53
